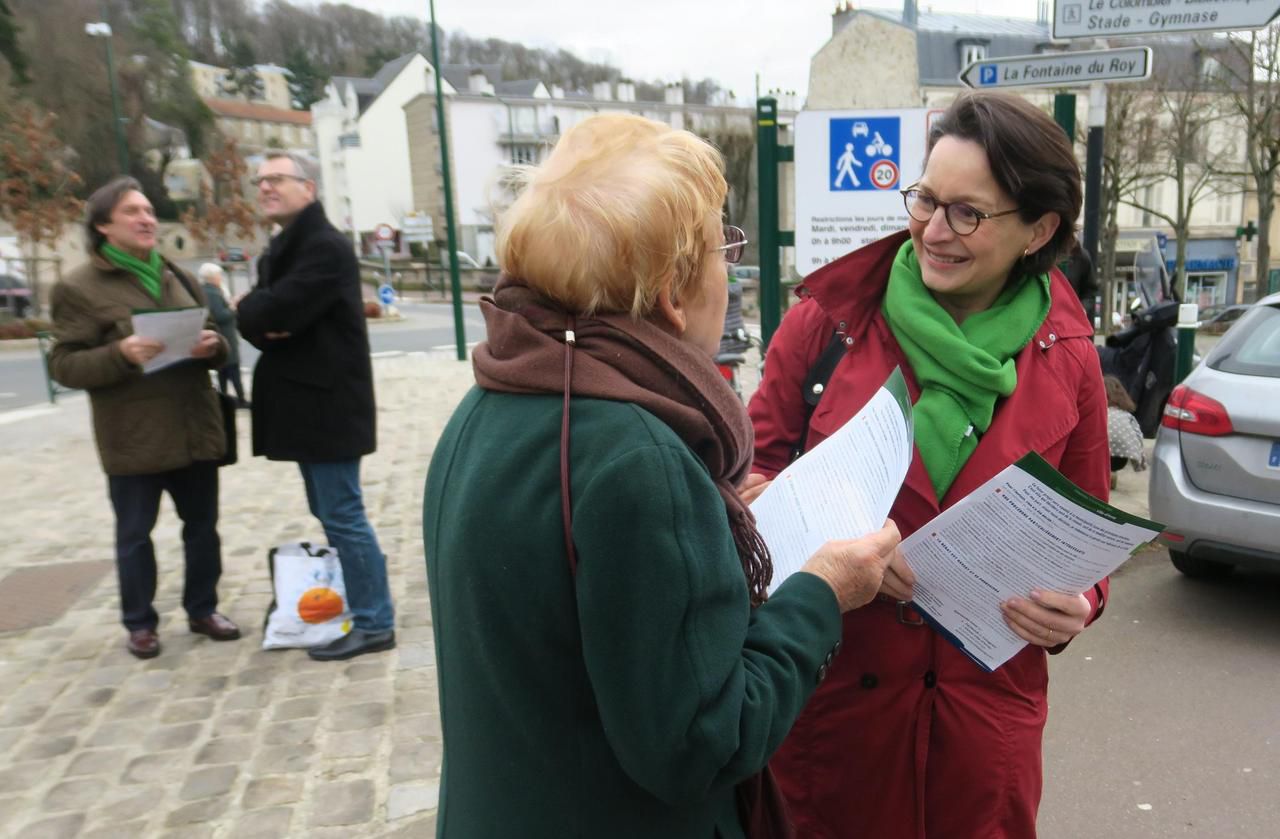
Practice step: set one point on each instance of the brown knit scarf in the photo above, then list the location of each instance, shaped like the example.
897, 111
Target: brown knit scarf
618, 358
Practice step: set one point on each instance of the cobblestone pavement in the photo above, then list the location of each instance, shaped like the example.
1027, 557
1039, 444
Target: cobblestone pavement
219, 739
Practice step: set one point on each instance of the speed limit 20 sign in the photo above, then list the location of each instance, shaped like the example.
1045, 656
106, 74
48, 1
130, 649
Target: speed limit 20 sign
884, 174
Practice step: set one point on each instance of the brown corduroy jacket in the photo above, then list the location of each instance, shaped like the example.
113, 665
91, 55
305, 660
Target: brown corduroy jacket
143, 423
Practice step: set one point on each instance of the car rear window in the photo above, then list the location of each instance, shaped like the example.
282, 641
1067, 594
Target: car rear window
1252, 347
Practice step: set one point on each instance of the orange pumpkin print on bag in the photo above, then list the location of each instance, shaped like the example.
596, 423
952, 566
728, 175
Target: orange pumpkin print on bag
319, 604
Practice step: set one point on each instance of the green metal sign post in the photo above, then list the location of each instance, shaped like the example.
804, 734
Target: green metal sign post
768, 155
459, 327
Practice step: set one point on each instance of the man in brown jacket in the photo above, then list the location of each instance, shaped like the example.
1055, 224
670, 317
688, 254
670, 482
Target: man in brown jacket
156, 432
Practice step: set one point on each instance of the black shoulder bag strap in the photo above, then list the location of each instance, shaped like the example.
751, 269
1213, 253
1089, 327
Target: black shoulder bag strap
815, 384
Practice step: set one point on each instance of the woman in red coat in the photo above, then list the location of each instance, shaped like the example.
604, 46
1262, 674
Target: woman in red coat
907, 737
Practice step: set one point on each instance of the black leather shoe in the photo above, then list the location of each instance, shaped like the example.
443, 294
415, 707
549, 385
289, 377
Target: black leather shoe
354, 643
216, 626
144, 643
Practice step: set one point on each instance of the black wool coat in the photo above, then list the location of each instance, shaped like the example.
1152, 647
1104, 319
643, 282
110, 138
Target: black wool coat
313, 389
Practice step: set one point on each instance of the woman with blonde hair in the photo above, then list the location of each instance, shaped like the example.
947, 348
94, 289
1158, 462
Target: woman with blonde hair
609, 660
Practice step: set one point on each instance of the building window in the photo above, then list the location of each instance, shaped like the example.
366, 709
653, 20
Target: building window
971, 52
524, 155
1210, 68
1207, 289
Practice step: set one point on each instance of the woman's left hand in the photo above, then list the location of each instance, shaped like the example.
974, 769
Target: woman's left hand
752, 487
1048, 618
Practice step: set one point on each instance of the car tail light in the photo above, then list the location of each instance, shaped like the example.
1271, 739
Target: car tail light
1195, 413
726, 370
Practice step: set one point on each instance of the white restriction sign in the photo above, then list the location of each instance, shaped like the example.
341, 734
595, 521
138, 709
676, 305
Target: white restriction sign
1067, 69
1103, 18
850, 167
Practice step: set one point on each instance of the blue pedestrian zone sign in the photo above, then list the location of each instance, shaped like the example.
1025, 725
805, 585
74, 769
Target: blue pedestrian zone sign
386, 294
987, 74
865, 154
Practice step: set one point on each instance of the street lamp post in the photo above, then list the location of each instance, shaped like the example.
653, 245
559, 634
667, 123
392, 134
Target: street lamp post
103, 30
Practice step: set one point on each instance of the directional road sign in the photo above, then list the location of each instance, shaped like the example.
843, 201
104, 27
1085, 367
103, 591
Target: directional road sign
386, 294
1062, 69
1104, 18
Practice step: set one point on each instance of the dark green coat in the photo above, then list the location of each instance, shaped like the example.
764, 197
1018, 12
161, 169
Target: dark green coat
629, 701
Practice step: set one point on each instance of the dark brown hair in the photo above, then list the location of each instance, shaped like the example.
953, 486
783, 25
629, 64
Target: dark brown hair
1030, 158
1117, 396
97, 210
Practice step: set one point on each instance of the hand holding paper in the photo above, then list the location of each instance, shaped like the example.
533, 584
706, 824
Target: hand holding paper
177, 331
139, 350
1027, 529
207, 346
841, 489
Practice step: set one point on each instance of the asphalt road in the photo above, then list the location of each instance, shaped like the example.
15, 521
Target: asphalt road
1165, 715
426, 327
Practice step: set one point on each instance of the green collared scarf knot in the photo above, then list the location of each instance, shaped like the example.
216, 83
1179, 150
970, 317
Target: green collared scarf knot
148, 273
962, 369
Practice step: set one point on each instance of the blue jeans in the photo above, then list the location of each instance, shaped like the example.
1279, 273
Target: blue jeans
333, 494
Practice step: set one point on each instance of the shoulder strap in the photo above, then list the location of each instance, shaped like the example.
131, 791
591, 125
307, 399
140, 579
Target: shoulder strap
182, 278
815, 384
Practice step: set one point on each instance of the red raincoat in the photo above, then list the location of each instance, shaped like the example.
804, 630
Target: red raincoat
907, 737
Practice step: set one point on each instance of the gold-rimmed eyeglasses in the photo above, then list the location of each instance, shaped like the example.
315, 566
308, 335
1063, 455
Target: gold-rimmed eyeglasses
735, 241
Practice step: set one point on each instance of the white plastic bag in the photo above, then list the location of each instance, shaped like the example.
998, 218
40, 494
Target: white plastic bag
310, 607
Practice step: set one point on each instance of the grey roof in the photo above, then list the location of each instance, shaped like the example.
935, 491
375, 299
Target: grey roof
939, 35
459, 75
524, 87
368, 90
387, 72
977, 24
938, 53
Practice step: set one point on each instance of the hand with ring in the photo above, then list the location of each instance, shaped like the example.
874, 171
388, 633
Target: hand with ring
1047, 618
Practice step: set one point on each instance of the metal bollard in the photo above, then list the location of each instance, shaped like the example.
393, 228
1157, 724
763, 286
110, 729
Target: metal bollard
1188, 321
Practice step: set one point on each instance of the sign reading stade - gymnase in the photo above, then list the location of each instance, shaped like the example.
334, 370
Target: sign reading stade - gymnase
1099, 18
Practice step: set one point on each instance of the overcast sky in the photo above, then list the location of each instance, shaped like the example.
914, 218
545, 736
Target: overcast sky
727, 40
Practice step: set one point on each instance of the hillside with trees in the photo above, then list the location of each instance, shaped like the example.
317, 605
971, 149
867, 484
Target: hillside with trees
47, 59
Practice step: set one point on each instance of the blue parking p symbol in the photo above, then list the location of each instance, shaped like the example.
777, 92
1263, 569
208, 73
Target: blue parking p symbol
987, 74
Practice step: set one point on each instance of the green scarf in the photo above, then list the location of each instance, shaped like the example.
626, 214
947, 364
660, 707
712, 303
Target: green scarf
148, 273
962, 369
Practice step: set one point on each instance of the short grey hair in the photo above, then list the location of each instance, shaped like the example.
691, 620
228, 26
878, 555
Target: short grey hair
304, 166
210, 269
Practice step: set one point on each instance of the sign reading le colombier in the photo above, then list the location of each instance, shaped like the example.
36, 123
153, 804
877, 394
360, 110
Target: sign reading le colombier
1080, 18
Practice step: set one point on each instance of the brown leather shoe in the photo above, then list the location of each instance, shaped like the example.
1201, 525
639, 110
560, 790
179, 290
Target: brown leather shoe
144, 643
216, 626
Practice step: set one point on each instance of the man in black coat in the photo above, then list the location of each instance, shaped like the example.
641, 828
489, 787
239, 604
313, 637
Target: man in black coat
313, 385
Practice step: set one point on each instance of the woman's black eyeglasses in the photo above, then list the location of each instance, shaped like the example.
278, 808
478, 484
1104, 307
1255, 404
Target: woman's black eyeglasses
962, 218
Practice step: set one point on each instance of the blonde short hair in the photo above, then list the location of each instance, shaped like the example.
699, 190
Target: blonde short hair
621, 204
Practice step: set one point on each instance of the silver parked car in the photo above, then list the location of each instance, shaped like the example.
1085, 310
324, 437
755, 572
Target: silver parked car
1215, 480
